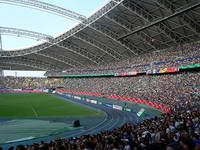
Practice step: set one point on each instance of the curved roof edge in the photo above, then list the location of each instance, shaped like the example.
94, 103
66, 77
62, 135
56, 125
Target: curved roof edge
98, 14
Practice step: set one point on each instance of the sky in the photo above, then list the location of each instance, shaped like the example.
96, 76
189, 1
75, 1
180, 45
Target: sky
40, 21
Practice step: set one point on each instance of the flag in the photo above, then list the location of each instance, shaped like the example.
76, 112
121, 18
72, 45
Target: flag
132, 73
155, 71
141, 112
127, 109
117, 107
148, 72
172, 69
163, 70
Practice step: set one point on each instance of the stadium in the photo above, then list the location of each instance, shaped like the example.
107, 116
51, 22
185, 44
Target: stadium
127, 77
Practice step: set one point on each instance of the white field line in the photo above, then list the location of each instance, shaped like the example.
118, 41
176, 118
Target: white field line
36, 115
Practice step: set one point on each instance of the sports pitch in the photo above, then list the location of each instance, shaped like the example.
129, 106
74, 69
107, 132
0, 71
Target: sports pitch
40, 105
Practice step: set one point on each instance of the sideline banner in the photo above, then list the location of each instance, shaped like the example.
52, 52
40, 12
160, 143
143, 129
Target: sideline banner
163, 70
108, 104
126, 73
117, 107
91, 101
77, 97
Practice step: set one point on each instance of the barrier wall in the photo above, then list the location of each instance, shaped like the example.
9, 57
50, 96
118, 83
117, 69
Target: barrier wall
135, 100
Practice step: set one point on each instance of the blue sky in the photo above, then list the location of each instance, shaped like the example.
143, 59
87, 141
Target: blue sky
39, 21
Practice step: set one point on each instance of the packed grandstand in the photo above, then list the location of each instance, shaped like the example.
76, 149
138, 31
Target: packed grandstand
165, 76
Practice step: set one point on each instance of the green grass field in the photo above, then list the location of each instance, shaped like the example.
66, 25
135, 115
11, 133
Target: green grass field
40, 105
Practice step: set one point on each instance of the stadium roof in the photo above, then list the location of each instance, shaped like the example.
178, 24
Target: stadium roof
119, 30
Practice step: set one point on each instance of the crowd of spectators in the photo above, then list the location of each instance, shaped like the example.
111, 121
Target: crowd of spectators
180, 55
168, 89
29, 82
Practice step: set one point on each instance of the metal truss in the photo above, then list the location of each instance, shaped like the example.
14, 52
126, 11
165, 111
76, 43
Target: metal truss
37, 36
58, 41
144, 37
34, 35
60, 58
21, 64
81, 51
179, 12
87, 22
46, 7
193, 25
4, 66
64, 42
25, 33
128, 28
54, 58
29, 62
147, 17
99, 45
112, 35
23, 52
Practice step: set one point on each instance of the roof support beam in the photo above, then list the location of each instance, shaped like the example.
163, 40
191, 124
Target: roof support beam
87, 22
37, 36
147, 17
62, 58
143, 36
81, 51
194, 26
54, 57
110, 34
161, 20
102, 47
35, 4
25, 33
29, 62
23, 64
